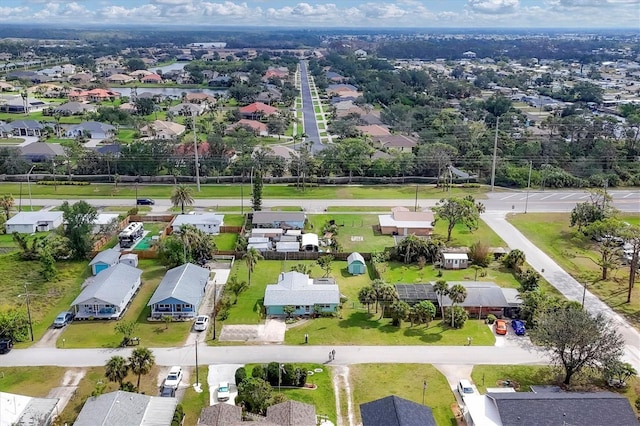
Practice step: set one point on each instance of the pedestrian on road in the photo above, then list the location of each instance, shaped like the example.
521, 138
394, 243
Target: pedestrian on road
333, 354
306, 338
330, 356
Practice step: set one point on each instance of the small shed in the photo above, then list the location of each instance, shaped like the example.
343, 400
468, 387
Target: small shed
455, 260
288, 247
130, 259
310, 242
355, 264
104, 260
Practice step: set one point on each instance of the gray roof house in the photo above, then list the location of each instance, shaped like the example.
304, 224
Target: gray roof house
104, 260
180, 292
73, 108
292, 413
108, 294
126, 408
305, 294
221, 415
275, 219
26, 128
41, 151
94, 129
396, 411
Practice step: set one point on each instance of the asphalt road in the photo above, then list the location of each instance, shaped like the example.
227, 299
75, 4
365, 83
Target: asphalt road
310, 124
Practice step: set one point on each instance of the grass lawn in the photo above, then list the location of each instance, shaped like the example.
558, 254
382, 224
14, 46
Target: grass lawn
576, 254
234, 219
343, 209
323, 397
461, 236
350, 225
193, 402
101, 334
31, 381
226, 241
234, 191
374, 381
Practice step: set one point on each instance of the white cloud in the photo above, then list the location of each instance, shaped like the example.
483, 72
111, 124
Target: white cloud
493, 7
227, 9
171, 2
382, 11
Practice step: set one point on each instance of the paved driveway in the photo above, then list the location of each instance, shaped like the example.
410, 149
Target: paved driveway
222, 373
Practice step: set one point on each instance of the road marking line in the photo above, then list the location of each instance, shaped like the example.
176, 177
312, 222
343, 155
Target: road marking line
628, 195
567, 196
507, 197
548, 196
584, 196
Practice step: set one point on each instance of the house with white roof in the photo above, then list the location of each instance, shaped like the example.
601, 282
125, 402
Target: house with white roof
208, 223
401, 221
108, 294
30, 222
18, 409
306, 295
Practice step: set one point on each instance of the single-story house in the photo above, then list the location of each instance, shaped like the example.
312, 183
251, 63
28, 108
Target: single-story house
310, 242
260, 129
356, 264
120, 78
400, 143
189, 109
37, 152
208, 223
257, 110
455, 260
275, 219
30, 222
274, 233
92, 129
292, 413
548, 407
159, 129
108, 294
287, 246
17, 105
73, 108
401, 221
152, 78
220, 414
396, 411
21, 410
130, 259
483, 297
27, 128
127, 408
103, 260
180, 292
305, 294
103, 220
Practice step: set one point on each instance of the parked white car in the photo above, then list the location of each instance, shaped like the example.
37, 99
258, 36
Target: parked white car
202, 322
223, 391
465, 387
173, 378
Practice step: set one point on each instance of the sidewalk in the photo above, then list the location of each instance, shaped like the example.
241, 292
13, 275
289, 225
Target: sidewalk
565, 283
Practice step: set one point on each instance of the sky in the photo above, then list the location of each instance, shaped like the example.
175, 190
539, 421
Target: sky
578, 14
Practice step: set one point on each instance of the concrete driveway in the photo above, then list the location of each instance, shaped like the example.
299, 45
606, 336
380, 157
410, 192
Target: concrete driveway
222, 373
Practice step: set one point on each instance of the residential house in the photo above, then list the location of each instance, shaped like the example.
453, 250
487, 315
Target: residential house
272, 94
24, 410
282, 151
455, 260
73, 108
127, 408
6, 87
258, 128
159, 129
93, 95
209, 223
200, 98
30, 222
189, 109
374, 130
27, 128
306, 295
120, 79
151, 78
335, 77
140, 73
220, 81
400, 143
81, 78
275, 219
130, 259
6, 130
104, 259
257, 111
16, 104
108, 294
310, 242
401, 221
221, 415
180, 292
277, 73
292, 413
548, 407
38, 152
483, 298
91, 129
396, 411
356, 264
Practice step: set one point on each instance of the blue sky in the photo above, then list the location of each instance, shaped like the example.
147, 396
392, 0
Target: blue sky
583, 14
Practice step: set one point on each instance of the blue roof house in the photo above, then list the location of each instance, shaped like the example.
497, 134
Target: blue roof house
306, 295
180, 292
104, 260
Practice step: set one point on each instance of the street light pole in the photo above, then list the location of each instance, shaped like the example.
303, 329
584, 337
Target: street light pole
495, 156
424, 389
526, 203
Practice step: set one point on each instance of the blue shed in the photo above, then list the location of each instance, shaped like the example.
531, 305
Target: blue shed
355, 264
103, 260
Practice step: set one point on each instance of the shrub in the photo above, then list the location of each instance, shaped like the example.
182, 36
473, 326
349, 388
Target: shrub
178, 415
273, 373
259, 372
529, 280
240, 375
460, 316
223, 315
62, 182
480, 254
491, 318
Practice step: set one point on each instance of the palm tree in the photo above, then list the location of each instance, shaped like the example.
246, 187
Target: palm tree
386, 294
367, 296
6, 203
251, 258
457, 294
236, 287
116, 369
441, 288
182, 194
140, 362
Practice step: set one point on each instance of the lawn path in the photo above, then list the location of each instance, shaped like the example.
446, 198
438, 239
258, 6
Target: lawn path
341, 382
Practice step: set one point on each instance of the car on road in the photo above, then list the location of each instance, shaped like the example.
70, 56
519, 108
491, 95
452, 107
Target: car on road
63, 319
465, 387
500, 326
223, 391
173, 378
145, 202
5, 345
518, 327
202, 322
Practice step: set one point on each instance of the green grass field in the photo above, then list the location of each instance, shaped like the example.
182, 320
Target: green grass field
357, 226
373, 381
577, 255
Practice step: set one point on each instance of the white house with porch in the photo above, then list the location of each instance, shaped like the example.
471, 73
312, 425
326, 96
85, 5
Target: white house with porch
108, 294
180, 292
209, 223
30, 222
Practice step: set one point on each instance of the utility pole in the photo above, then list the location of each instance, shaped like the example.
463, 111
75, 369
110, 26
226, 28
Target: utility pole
195, 150
495, 156
526, 203
29, 186
26, 293
415, 208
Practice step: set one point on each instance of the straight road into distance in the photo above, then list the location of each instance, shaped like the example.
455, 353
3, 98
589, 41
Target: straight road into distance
310, 125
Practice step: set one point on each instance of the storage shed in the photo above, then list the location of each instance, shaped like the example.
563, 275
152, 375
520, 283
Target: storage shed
355, 264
